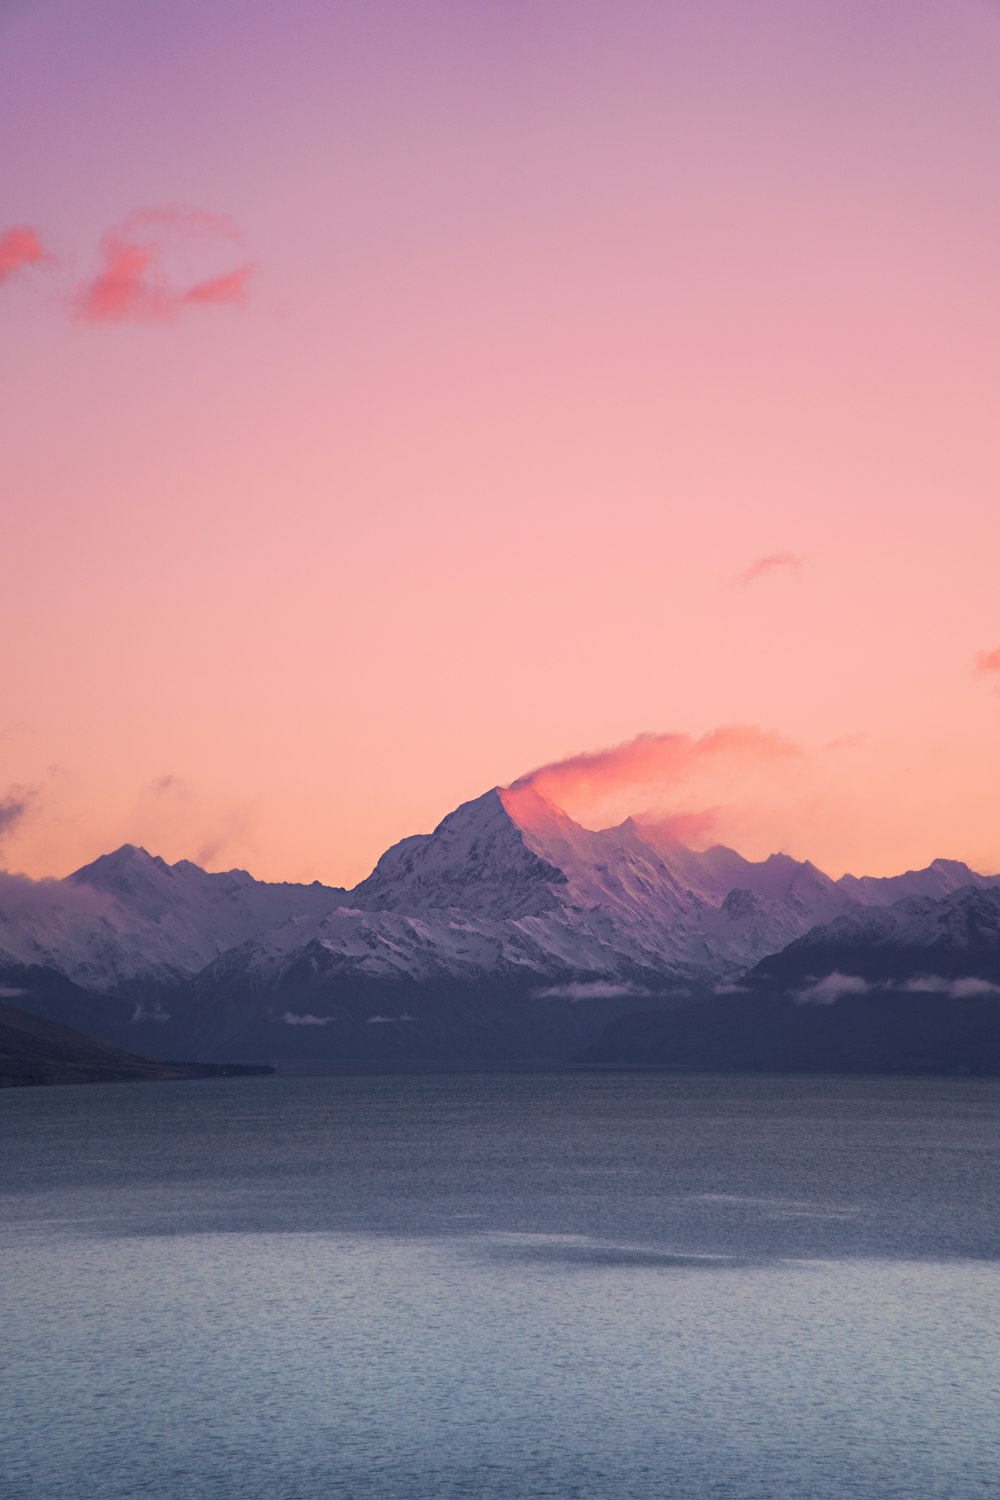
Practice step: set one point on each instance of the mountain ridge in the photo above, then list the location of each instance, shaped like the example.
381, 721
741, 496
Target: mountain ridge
508, 912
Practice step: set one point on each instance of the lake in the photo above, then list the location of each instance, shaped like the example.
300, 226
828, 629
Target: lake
571, 1286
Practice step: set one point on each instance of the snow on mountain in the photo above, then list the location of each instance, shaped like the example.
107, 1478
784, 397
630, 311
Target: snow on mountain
129, 916
509, 884
918, 939
966, 920
507, 896
939, 879
477, 860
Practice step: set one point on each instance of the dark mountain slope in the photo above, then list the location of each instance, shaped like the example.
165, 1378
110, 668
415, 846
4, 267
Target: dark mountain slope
37, 1051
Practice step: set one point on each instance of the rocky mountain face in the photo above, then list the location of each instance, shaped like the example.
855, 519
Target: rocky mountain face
510, 931
955, 938
909, 988
131, 919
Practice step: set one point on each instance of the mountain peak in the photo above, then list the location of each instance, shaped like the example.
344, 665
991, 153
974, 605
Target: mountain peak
125, 862
477, 858
531, 809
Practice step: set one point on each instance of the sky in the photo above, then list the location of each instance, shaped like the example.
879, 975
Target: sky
401, 397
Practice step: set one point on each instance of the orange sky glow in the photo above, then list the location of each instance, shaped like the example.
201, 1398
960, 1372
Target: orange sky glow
400, 400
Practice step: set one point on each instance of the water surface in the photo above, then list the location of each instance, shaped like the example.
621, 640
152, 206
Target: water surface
629, 1286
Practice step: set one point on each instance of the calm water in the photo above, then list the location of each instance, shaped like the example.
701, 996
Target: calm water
631, 1287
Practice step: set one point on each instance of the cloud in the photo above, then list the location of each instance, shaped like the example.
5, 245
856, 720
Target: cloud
145, 274
170, 813
955, 989
598, 989
293, 1018
11, 992
14, 807
730, 989
774, 562
925, 984
229, 288
20, 247
22, 899
388, 1020
653, 765
963, 989
234, 831
988, 662
165, 783
689, 828
828, 990
151, 1013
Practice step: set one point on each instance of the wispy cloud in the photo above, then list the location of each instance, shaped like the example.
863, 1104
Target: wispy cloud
968, 988
140, 279
831, 987
305, 1018
20, 247
690, 828
14, 807
774, 562
597, 989
652, 764
230, 288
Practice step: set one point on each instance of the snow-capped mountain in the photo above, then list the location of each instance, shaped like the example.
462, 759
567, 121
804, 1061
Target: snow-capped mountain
129, 918
909, 988
917, 938
512, 854
939, 879
508, 923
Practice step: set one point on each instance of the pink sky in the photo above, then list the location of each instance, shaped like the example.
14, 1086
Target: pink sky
410, 396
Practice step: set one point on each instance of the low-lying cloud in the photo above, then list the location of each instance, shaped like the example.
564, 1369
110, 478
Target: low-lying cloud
306, 1018
23, 899
969, 987
829, 989
597, 989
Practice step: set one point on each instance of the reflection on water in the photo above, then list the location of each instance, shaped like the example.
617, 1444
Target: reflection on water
492, 1287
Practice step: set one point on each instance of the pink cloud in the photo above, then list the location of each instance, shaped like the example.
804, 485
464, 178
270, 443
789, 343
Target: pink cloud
690, 828
228, 288
774, 562
128, 286
651, 764
135, 284
988, 661
20, 247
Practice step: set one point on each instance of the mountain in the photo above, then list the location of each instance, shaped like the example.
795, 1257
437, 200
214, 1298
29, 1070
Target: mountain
38, 1051
510, 931
940, 878
913, 987
956, 938
129, 918
882, 1032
